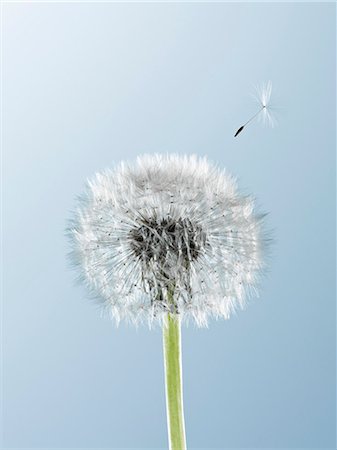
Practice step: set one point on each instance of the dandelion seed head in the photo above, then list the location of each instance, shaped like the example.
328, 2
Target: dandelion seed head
167, 227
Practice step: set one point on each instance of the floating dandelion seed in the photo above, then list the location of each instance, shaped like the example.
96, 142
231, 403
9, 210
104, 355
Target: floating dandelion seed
262, 96
168, 239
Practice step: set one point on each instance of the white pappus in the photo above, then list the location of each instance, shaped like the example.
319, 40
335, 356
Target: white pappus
167, 227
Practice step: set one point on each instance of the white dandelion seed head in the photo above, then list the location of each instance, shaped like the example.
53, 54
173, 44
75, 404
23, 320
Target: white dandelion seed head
262, 95
167, 233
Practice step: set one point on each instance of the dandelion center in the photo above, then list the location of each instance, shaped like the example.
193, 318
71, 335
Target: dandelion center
167, 241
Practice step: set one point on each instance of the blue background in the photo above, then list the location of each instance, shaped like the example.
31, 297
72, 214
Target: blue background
86, 85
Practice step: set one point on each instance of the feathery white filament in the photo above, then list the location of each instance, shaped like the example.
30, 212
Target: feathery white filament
262, 96
167, 224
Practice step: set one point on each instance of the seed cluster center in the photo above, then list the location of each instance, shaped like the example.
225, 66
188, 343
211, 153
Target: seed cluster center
167, 241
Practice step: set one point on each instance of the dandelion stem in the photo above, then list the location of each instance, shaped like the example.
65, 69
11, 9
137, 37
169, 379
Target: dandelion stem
173, 382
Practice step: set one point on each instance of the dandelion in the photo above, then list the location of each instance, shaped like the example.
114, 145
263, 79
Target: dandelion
262, 96
168, 239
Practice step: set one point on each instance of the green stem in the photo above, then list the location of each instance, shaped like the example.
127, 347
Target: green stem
173, 381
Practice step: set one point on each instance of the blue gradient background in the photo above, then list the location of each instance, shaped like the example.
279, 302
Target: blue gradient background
85, 85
